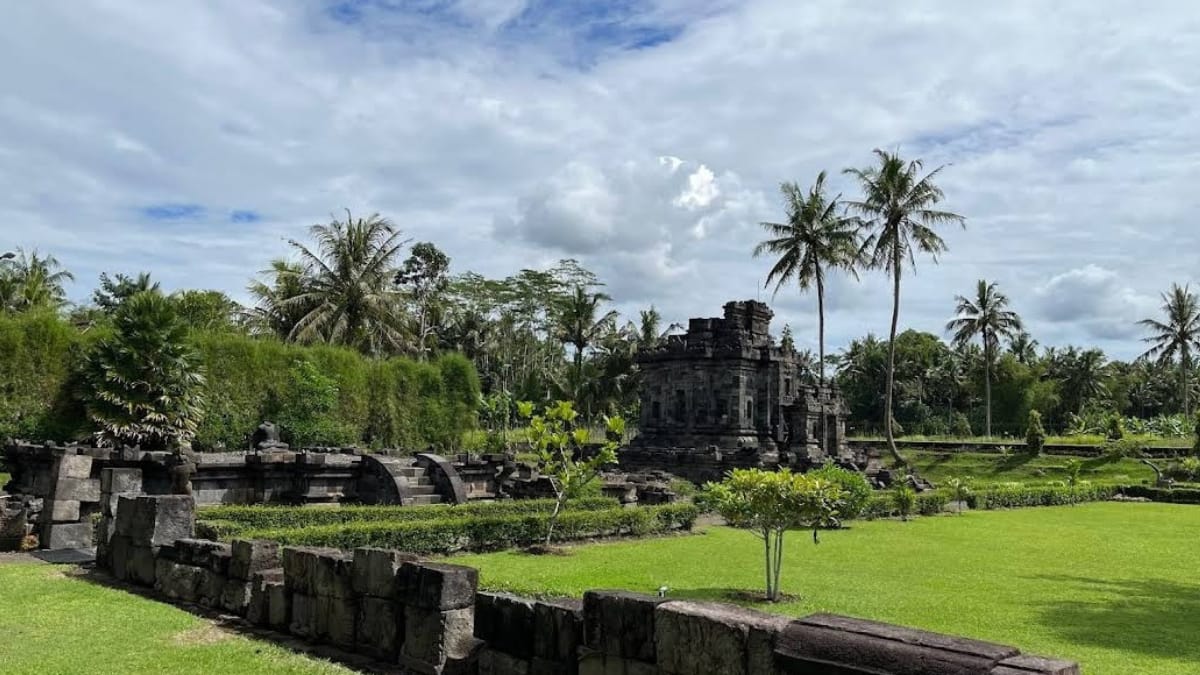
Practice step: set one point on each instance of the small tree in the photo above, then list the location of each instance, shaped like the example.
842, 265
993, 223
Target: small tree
905, 500
1035, 434
1114, 427
960, 489
561, 453
143, 382
1073, 468
769, 503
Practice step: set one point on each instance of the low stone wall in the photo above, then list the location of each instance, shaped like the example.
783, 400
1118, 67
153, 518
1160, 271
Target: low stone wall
430, 618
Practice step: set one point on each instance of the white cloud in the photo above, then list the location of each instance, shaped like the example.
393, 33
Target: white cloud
651, 155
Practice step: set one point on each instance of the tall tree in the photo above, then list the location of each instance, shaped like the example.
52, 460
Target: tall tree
29, 281
270, 313
580, 323
115, 290
897, 208
1177, 337
423, 277
988, 317
347, 285
817, 236
1022, 345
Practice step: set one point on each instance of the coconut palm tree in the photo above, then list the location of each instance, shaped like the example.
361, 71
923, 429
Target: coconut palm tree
817, 236
988, 317
29, 281
1023, 347
1176, 337
346, 292
580, 324
897, 208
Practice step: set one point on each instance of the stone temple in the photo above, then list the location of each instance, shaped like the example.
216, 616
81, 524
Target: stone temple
726, 395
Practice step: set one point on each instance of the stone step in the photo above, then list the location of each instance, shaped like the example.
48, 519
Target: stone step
424, 500
421, 490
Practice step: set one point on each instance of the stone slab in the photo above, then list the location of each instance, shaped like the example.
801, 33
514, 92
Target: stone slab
377, 571
439, 586
506, 622
250, 556
694, 638
432, 637
1026, 664
620, 623
75, 466
67, 535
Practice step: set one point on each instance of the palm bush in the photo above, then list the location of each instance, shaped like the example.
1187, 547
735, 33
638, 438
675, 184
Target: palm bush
143, 383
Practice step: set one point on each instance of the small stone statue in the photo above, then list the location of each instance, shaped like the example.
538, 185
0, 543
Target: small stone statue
266, 437
181, 466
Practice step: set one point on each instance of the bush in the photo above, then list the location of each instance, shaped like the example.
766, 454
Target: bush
1035, 434
1114, 427
904, 499
1044, 495
855, 488
1157, 494
449, 535
1186, 469
292, 517
38, 375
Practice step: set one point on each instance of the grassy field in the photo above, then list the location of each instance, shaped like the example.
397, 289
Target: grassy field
55, 623
993, 468
1111, 585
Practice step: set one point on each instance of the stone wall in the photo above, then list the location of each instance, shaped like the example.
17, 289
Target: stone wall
430, 618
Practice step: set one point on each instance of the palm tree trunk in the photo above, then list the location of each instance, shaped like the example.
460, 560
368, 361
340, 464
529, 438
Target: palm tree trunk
987, 386
891, 370
821, 326
1183, 381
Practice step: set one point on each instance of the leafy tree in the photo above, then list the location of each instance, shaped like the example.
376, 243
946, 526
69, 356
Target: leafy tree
206, 310
769, 503
1114, 427
1176, 337
308, 408
115, 290
144, 382
1022, 345
345, 285
424, 277
1035, 434
988, 317
559, 445
856, 491
32, 281
276, 312
580, 324
817, 236
904, 498
897, 205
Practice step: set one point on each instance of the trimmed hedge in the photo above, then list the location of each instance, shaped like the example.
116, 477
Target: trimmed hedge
932, 503
294, 517
450, 535
882, 505
394, 403
1169, 495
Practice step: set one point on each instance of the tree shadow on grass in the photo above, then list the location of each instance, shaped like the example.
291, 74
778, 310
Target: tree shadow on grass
1012, 462
1156, 617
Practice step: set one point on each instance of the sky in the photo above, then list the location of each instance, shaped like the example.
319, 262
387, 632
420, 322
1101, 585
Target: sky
646, 138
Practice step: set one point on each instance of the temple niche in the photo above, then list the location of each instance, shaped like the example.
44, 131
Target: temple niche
725, 388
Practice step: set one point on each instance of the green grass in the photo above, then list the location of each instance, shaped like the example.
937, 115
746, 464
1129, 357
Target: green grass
1111, 585
54, 623
985, 468
4, 478
1077, 439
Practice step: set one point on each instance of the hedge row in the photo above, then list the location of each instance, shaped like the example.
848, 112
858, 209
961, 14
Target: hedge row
292, 517
1157, 494
450, 535
395, 402
882, 505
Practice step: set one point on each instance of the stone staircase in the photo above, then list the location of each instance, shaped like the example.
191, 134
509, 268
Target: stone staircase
421, 490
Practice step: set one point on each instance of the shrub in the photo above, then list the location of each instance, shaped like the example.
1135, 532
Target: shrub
1035, 434
959, 489
38, 374
1187, 469
144, 382
1114, 427
308, 409
904, 499
449, 535
1044, 495
856, 491
1157, 494
290, 517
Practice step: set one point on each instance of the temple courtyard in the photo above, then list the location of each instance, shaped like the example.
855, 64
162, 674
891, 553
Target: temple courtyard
1110, 584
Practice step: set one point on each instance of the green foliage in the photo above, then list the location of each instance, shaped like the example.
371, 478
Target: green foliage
449, 535
1170, 495
1196, 446
308, 409
1114, 427
38, 373
960, 490
1187, 469
856, 491
1072, 469
904, 499
244, 518
559, 445
769, 503
144, 382
1044, 495
1035, 434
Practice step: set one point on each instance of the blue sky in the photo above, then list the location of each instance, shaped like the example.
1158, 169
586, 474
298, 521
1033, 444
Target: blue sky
645, 137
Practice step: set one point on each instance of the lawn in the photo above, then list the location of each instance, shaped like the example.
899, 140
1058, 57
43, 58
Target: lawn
56, 623
1111, 585
1018, 467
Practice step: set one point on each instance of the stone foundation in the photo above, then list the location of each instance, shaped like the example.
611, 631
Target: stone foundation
430, 618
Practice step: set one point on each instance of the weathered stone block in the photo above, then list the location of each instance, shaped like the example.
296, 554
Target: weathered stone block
332, 575
300, 567
279, 606
121, 481
67, 535
258, 609
141, 567
235, 596
380, 626
157, 520
620, 623
827, 640
540, 666
599, 663
693, 638
1025, 664
198, 552
506, 622
64, 510
78, 489
558, 629
439, 586
250, 556
176, 580
75, 466
117, 556
492, 662
307, 619
341, 620
431, 637
376, 571
212, 585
